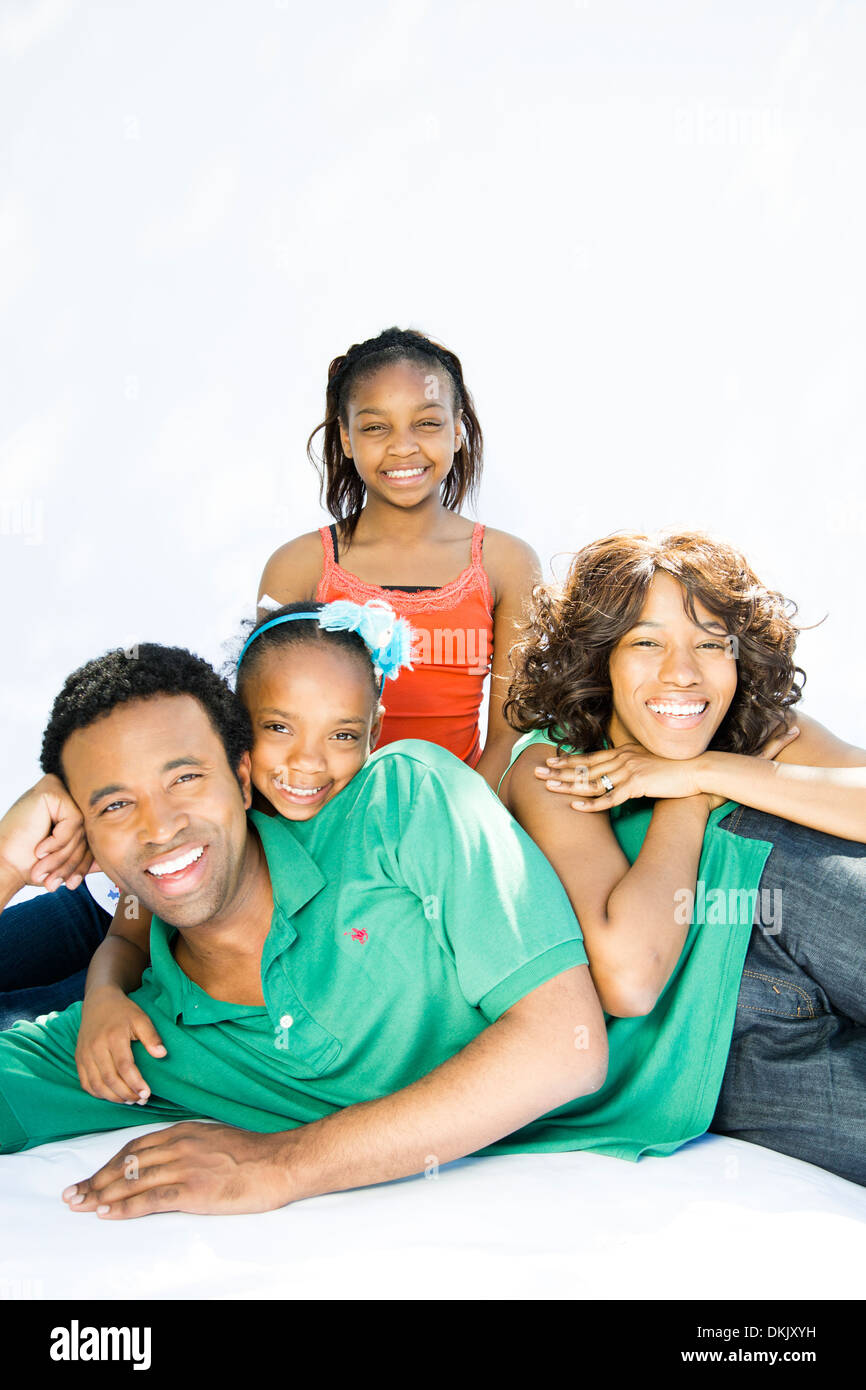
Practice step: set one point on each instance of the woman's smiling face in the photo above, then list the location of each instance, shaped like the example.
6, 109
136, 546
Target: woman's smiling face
672, 680
315, 719
401, 432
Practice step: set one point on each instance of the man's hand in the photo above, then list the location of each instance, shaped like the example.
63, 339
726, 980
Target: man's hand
42, 840
103, 1052
202, 1168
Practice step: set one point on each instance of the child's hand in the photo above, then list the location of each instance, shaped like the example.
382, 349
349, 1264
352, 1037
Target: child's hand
103, 1053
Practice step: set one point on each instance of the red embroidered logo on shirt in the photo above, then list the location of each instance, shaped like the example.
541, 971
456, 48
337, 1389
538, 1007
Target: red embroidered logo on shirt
358, 934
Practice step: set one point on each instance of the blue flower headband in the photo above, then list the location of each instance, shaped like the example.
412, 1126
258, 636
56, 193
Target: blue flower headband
387, 637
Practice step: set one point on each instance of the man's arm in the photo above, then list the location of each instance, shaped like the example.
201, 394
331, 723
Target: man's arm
548, 1048
44, 819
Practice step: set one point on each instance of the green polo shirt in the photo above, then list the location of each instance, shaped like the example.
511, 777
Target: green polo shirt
409, 913
665, 1069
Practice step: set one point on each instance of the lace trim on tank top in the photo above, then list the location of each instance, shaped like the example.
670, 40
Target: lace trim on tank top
421, 599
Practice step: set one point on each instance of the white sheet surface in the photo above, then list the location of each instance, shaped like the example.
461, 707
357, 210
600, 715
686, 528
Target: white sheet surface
718, 1219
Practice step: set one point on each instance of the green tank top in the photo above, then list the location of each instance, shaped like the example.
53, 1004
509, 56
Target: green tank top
665, 1070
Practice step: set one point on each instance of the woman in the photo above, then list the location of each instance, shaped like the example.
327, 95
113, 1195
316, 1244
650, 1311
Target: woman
711, 848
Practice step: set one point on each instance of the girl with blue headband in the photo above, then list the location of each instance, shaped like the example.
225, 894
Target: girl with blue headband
312, 677
315, 722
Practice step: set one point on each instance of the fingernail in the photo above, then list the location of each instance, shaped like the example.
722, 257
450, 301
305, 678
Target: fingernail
76, 1201
554, 783
542, 772
578, 804
69, 1192
129, 1102
555, 762
101, 1211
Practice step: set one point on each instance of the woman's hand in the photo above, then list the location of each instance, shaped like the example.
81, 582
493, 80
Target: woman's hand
631, 771
103, 1053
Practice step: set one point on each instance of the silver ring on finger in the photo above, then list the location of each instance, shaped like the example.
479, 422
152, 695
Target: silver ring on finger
606, 782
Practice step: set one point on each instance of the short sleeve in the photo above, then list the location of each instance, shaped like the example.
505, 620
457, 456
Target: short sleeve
488, 892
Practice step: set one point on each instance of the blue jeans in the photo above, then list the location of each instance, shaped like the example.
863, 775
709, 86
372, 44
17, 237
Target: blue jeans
45, 948
796, 1074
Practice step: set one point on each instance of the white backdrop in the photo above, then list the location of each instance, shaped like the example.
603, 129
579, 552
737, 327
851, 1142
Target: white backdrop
640, 225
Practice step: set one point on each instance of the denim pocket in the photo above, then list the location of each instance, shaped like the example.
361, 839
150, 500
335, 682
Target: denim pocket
764, 992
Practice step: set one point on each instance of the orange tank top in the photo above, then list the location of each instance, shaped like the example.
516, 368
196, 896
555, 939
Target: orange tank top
439, 699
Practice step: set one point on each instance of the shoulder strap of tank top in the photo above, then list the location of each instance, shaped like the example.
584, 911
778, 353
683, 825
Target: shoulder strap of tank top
477, 543
481, 577
327, 546
328, 562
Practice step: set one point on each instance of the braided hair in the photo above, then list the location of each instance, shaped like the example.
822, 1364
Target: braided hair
340, 484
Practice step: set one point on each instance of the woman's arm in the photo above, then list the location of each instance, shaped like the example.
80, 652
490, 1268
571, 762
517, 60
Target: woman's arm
514, 570
818, 781
629, 915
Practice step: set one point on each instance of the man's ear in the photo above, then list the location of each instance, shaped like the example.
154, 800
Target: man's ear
243, 772
376, 728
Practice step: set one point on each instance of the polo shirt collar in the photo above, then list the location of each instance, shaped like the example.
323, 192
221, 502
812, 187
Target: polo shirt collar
295, 875
295, 879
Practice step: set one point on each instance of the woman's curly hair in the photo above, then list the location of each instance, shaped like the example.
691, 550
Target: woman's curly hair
561, 661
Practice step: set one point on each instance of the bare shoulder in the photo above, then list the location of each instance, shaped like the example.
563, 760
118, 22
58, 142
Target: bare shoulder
502, 546
550, 820
816, 746
512, 564
293, 571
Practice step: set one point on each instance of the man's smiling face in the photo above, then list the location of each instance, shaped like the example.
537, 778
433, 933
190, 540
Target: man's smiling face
165, 814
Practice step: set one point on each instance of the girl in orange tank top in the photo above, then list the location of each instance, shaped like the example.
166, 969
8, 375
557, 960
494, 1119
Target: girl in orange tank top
439, 699
402, 450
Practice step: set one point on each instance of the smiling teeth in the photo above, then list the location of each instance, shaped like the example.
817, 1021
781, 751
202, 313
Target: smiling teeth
303, 791
404, 472
683, 710
174, 866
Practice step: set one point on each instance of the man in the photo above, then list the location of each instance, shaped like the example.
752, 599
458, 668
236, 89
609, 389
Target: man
397, 986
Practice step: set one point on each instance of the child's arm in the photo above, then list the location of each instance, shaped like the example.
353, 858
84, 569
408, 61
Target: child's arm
109, 1020
514, 570
293, 572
